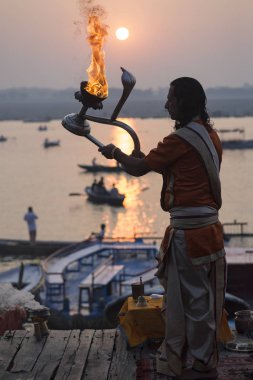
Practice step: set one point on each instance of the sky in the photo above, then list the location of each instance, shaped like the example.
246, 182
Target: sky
43, 42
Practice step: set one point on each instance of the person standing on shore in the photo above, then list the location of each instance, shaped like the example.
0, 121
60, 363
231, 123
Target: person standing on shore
30, 218
191, 260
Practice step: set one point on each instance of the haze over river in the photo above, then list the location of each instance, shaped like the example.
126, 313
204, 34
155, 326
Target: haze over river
43, 178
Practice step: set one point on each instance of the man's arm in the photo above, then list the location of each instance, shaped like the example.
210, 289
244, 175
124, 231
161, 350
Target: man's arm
132, 165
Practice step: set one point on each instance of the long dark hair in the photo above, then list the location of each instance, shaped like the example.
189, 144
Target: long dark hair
191, 99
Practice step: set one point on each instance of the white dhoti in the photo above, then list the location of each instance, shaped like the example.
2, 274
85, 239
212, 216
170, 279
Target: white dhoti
194, 297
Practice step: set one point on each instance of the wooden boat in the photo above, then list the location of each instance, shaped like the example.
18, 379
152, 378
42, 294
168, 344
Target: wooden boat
49, 144
86, 277
3, 138
28, 276
94, 274
104, 197
101, 168
42, 128
235, 142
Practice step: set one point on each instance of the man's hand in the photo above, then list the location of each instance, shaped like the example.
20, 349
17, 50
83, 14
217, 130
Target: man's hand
108, 151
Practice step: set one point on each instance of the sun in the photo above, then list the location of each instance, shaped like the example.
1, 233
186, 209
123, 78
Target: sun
122, 33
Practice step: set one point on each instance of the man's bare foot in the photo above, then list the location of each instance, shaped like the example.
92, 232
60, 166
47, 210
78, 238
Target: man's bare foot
192, 374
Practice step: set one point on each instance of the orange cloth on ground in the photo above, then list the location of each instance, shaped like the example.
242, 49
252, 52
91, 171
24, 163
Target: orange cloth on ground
142, 322
146, 322
224, 332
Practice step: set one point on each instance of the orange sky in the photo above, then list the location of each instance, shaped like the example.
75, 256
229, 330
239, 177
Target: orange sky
211, 40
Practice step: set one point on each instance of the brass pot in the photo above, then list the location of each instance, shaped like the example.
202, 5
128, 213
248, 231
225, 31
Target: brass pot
244, 321
137, 290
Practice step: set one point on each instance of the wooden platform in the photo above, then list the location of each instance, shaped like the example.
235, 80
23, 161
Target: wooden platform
93, 355
66, 354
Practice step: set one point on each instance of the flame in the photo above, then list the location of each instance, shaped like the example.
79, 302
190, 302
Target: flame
97, 31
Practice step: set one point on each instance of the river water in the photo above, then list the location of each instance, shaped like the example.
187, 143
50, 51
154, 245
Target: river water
43, 178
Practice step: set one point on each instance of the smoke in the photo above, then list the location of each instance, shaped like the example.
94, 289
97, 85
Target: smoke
87, 9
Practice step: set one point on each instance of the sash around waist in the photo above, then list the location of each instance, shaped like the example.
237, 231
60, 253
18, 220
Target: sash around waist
193, 217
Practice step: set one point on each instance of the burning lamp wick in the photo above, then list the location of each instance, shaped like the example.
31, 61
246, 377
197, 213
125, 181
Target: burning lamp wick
78, 124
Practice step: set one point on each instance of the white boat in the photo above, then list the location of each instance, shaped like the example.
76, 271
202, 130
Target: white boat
93, 273
28, 276
93, 278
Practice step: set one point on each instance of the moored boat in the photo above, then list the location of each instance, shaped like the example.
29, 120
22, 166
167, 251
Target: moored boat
94, 274
28, 276
237, 144
237, 141
85, 278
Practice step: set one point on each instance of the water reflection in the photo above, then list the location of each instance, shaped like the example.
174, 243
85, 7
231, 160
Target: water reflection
122, 139
135, 220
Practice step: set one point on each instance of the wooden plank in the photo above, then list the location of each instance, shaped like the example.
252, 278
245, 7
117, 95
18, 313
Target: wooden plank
100, 355
9, 345
51, 355
75, 355
103, 278
123, 365
28, 354
13, 376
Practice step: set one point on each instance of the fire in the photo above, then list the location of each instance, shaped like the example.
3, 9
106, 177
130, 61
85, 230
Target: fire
97, 83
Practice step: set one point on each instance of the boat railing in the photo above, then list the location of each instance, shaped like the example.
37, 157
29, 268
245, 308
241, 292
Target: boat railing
234, 228
235, 131
136, 238
105, 273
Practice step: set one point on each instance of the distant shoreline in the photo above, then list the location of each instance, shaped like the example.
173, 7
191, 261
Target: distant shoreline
44, 111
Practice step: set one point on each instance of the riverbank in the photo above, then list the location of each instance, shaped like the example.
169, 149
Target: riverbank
39, 111
24, 249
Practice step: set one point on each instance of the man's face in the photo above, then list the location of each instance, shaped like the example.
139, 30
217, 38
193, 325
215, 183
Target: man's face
172, 104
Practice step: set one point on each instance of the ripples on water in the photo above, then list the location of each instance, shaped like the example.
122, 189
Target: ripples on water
43, 178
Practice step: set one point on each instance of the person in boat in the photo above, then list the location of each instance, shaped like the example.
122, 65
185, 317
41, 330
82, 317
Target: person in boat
30, 218
101, 186
114, 191
100, 236
191, 261
94, 185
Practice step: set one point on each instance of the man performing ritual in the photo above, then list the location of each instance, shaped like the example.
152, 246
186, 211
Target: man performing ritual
191, 260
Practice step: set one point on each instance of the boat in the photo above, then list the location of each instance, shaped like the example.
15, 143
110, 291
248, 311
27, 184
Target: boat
235, 142
3, 138
27, 276
104, 197
101, 168
85, 278
49, 144
42, 128
94, 277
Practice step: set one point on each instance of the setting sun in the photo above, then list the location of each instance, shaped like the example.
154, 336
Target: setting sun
122, 33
